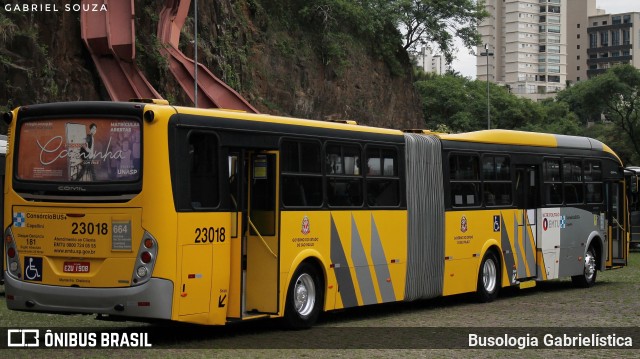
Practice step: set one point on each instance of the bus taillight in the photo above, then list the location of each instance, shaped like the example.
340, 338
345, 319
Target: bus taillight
13, 260
13, 267
142, 271
147, 254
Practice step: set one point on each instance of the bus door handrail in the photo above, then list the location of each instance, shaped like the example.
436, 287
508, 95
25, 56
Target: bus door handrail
617, 223
262, 239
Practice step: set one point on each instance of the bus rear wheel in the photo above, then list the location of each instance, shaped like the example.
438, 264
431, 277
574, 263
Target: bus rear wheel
589, 274
304, 298
488, 278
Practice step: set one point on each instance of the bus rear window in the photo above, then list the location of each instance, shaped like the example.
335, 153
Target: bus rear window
79, 150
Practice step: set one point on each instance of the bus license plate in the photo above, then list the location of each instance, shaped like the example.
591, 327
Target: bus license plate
76, 267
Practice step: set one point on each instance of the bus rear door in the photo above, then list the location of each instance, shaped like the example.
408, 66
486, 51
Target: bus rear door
262, 241
527, 192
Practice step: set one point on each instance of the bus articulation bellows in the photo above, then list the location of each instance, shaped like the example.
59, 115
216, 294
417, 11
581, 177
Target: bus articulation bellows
147, 210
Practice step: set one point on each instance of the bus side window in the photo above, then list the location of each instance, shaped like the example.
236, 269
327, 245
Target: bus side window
203, 170
572, 177
344, 178
465, 194
571, 194
552, 181
553, 193
233, 180
496, 176
464, 174
593, 181
383, 182
301, 169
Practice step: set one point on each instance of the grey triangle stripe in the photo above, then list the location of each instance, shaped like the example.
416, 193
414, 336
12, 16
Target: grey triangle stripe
343, 274
361, 265
381, 265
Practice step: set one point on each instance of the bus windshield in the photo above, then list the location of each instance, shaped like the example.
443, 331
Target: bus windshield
78, 150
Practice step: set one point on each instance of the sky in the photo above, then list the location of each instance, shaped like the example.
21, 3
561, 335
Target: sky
465, 63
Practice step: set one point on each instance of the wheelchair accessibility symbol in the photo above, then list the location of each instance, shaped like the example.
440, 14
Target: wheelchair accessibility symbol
33, 268
496, 223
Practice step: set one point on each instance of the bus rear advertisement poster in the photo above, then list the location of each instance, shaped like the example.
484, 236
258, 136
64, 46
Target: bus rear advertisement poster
80, 150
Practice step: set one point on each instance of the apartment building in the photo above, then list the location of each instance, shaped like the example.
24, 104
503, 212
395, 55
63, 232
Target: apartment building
537, 45
429, 62
612, 39
578, 42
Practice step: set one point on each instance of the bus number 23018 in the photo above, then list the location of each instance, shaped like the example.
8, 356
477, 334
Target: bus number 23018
210, 235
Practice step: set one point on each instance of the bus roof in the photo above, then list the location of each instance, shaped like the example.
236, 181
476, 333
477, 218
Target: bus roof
523, 138
241, 115
495, 136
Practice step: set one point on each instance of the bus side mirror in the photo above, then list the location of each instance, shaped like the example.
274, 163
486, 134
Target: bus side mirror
7, 117
634, 184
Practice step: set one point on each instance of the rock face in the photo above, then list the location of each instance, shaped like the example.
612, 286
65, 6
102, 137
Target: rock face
277, 68
43, 59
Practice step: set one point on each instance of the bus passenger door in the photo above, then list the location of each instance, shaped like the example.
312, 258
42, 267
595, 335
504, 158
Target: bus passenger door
527, 199
262, 242
633, 203
617, 225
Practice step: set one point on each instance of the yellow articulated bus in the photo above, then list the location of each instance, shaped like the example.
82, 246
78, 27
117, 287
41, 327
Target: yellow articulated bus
147, 210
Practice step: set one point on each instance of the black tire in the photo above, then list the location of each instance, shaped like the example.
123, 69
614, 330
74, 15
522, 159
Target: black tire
304, 298
488, 278
589, 273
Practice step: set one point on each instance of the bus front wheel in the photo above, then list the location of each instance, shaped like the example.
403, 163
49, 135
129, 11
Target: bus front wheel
589, 274
488, 278
304, 298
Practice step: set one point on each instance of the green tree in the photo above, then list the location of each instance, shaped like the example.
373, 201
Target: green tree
574, 96
460, 104
438, 21
614, 94
512, 112
393, 25
556, 117
609, 134
336, 22
453, 101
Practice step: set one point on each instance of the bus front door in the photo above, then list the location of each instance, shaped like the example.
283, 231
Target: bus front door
617, 224
261, 236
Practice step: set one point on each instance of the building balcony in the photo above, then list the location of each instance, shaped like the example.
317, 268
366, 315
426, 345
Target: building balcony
596, 72
596, 50
592, 29
609, 59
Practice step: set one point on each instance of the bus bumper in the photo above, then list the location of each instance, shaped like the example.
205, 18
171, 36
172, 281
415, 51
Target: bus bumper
149, 300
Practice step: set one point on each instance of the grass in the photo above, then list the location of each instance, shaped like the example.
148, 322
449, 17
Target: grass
612, 303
